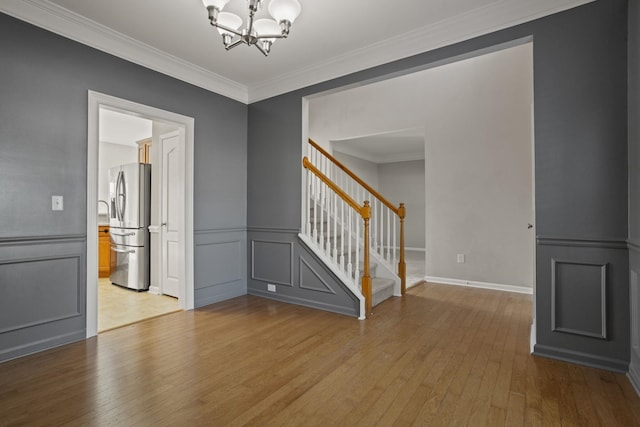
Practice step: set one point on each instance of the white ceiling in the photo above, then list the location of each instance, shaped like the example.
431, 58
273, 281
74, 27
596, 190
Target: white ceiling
124, 129
330, 38
398, 146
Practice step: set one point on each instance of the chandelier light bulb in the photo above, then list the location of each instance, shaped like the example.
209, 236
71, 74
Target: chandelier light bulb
229, 20
267, 27
284, 10
218, 4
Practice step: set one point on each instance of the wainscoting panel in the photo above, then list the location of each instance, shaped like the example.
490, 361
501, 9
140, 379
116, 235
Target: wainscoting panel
578, 298
272, 261
278, 258
310, 279
55, 298
42, 288
634, 306
220, 265
582, 302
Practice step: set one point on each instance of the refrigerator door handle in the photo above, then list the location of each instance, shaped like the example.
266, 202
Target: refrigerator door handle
123, 251
121, 196
123, 235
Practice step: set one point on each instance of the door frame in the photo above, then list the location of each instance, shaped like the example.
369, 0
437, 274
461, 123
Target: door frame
97, 100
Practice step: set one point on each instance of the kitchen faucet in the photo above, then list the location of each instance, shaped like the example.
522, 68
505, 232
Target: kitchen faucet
105, 202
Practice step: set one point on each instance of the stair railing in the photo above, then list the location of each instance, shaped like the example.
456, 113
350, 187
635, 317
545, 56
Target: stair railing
385, 217
330, 203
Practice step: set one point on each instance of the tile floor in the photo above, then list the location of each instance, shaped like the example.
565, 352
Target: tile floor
119, 306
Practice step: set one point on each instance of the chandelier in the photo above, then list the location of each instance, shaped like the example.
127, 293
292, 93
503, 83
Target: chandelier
260, 33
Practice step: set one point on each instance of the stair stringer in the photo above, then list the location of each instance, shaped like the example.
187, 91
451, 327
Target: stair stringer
335, 269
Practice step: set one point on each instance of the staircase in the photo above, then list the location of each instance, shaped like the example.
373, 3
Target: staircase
358, 242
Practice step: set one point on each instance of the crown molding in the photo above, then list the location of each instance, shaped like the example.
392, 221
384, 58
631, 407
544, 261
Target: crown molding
51, 17
493, 17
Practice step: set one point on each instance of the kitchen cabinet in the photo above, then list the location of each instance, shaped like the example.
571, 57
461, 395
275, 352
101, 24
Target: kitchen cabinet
144, 151
104, 251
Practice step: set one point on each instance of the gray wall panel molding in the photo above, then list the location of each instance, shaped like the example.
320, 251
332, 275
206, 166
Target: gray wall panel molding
224, 261
634, 300
582, 242
43, 288
579, 313
204, 231
582, 358
306, 302
35, 346
40, 240
304, 264
220, 265
269, 267
273, 230
634, 245
37, 314
308, 274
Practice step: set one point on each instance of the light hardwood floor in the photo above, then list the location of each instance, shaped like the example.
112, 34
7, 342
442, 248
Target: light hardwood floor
118, 306
443, 355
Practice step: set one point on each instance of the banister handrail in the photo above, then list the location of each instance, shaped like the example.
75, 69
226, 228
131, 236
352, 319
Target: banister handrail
344, 196
359, 180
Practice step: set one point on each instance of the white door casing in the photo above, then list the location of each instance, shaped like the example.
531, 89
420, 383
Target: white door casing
171, 212
96, 101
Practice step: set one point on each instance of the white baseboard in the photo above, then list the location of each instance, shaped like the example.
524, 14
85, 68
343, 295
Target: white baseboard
154, 290
532, 336
634, 378
481, 285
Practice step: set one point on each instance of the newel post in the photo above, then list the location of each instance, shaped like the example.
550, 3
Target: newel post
366, 277
402, 267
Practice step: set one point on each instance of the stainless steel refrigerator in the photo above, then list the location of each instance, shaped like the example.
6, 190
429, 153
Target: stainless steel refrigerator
130, 199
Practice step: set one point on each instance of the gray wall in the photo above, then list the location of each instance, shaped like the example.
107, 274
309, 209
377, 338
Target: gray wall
580, 169
634, 187
403, 182
44, 79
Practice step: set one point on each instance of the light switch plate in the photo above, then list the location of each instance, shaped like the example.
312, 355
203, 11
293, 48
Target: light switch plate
271, 288
57, 203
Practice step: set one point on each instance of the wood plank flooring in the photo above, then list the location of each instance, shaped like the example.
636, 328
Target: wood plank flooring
443, 355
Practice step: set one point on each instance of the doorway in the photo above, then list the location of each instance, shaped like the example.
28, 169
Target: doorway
479, 158
164, 123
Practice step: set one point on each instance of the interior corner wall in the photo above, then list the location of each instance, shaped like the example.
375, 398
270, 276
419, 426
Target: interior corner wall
403, 182
580, 173
634, 189
44, 82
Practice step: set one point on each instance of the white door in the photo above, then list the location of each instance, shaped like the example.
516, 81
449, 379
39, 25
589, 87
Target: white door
171, 217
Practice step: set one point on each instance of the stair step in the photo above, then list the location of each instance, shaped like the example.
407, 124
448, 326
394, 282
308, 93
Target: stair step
382, 289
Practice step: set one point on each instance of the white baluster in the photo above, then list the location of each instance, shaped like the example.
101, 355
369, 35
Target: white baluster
381, 235
349, 260
342, 235
335, 227
315, 208
308, 210
395, 247
323, 191
388, 235
356, 276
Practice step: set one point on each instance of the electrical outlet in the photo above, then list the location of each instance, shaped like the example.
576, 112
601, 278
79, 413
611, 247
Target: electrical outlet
460, 259
57, 203
271, 288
